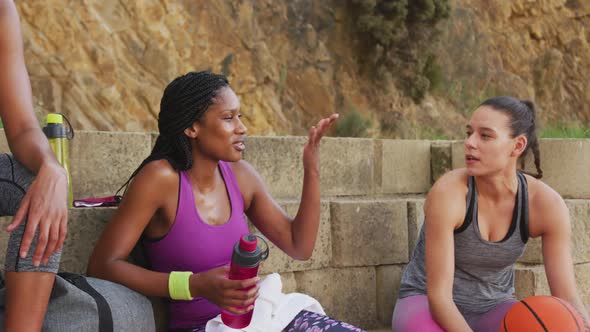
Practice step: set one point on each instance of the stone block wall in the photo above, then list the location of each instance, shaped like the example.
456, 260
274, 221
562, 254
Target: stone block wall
373, 195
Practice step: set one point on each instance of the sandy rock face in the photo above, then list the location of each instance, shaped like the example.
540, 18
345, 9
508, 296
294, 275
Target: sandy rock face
106, 63
537, 50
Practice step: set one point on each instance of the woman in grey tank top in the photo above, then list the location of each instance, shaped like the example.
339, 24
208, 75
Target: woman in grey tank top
478, 221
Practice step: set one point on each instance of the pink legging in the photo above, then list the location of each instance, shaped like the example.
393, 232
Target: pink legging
412, 314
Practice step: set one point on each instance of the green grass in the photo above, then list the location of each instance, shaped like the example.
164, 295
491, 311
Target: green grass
226, 64
430, 133
353, 124
282, 83
565, 130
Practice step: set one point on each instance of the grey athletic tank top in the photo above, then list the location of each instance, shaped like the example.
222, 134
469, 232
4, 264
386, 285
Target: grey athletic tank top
484, 271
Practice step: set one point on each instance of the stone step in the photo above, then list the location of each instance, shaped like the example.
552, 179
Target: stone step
356, 281
564, 163
366, 271
386, 230
380, 225
531, 280
102, 161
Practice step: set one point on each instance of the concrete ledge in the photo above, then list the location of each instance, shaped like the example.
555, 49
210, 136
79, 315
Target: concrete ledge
347, 166
279, 162
405, 166
531, 280
278, 261
346, 294
415, 222
388, 280
441, 159
365, 240
580, 221
583, 282
369, 232
565, 166
533, 253
102, 161
457, 154
3, 143
289, 282
85, 227
564, 163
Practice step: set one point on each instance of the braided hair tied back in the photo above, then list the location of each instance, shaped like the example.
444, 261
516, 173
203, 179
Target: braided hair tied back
184, 101
522, 116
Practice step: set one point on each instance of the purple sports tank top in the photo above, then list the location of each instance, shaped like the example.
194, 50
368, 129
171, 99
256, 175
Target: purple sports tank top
193, 245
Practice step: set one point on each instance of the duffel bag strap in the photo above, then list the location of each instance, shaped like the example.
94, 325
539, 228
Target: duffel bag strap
105, 317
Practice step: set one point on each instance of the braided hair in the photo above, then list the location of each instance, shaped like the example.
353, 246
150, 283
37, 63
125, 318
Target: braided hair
522, 116
184, 101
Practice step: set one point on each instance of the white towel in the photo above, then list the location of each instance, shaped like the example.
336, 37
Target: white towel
273, 310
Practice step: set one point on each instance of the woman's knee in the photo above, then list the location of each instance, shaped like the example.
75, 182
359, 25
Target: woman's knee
413, 314
15, 180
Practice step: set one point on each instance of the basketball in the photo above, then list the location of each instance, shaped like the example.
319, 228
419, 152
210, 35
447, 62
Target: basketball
542, 313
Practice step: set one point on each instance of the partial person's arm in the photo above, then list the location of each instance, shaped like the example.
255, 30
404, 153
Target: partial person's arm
554, 225
296, 236
146, 195
444, 212
45, 203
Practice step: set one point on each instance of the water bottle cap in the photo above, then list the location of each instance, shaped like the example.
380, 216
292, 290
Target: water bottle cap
247, 253
248, 243
55, 118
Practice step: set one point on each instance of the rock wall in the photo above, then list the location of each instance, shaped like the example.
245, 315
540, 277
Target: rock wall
105, 63
532, 49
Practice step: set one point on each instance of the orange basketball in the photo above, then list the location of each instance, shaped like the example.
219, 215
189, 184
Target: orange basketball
542, 313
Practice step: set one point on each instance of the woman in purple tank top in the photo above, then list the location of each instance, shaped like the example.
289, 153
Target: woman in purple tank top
186, 204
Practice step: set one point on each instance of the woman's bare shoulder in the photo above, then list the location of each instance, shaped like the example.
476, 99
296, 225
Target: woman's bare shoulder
445, 202
548, 212
157, 174
245, 173
541, 194
242, 167
453, 183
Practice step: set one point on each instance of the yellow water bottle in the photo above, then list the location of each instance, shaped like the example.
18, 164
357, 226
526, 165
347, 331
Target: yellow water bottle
58, 136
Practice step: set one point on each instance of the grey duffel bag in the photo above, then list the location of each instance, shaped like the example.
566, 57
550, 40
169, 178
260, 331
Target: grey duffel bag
80, 303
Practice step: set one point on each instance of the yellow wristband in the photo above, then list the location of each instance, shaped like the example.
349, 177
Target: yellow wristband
178, 285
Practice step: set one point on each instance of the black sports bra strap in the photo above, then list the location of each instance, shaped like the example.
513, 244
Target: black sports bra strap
471, 201
524, 219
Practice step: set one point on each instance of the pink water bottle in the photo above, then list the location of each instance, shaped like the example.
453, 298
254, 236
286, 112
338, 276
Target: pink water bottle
245, 261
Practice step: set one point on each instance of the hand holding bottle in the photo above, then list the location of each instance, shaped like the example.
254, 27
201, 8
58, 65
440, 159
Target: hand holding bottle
245, 261
229, 295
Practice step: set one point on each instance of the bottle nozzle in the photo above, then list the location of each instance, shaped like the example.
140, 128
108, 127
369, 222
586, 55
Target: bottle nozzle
248, 243
55, 118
